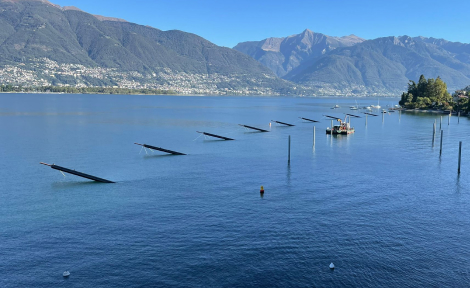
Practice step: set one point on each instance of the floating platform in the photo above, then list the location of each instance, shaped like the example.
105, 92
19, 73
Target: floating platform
283, 123
160, 149
215, 136
254, 128
306, 119
332, 117
352, 115
76, 173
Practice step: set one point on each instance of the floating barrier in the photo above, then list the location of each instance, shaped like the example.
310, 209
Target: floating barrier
79, 174
254, 128
215, 136
160, 149
287, 124
306, 119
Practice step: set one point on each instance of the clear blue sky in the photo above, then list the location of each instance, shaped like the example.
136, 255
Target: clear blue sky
228, 22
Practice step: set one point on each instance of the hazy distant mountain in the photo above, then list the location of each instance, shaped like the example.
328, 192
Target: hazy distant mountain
350, 65
282, 55
385, 65
47, 41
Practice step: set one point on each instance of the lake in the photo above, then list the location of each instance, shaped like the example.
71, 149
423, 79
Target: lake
380, 204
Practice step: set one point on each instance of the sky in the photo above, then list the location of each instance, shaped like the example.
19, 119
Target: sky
228, 22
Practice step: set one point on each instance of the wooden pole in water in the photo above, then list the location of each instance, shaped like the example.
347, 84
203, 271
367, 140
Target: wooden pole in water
458, 118
442, 136
383, 117
366, 119
448, 120
331, 130
433, 133
288, 160
440, 125
460, 155
313, 136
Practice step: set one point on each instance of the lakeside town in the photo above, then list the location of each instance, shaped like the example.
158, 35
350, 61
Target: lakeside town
45, 72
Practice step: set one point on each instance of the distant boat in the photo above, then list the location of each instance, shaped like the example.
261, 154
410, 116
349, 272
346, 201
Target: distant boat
66, 274
336, 106
332, 266
354, 107
368, 108
378, 105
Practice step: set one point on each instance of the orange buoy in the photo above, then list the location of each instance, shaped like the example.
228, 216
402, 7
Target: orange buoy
261, 190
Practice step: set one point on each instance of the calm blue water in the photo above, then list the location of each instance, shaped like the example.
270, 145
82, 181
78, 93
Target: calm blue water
380, 204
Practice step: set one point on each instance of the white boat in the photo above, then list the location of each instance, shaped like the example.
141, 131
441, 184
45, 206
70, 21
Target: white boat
354, 107
336, 106
378, 105
66, 274
369, 108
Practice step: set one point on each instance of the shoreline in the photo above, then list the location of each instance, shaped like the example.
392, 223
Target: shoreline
444, 112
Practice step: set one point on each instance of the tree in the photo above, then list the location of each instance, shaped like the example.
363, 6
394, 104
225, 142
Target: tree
428, 93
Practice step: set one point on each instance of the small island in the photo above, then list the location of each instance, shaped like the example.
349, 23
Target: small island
432, 94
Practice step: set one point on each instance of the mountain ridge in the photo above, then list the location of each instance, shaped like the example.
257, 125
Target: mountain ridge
366, 67
66, 46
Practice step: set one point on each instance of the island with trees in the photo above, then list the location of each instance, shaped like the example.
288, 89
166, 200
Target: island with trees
432, 94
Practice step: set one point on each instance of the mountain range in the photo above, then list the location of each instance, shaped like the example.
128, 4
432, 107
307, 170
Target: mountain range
66, 46
351, 65
45, 44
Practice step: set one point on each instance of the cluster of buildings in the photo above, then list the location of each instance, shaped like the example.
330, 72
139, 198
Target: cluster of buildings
45, 72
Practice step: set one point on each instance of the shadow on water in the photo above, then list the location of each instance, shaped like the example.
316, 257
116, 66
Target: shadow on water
72, 184
215, 140
152, 156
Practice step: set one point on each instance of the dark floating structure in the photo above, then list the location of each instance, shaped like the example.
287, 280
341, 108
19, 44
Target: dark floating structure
370, 114
254, 128
160, 149
279, 122
332, 117
352, 115
306, 119
215, 136
79, 174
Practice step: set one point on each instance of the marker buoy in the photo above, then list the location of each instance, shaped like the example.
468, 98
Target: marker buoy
261, 190
332, 266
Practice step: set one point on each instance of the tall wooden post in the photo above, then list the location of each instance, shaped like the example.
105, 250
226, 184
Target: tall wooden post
433, 133
440, 125
460, 155
448, 120
442, 136
458, 115
313, 136
288, 159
